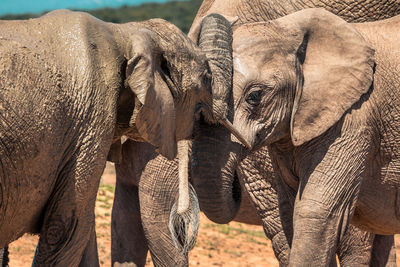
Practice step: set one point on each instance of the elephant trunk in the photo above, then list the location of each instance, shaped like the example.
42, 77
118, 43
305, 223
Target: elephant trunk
218, 192
214, 160
215, 39
157, 194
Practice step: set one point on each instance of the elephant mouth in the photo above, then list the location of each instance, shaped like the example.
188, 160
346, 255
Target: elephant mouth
236, 188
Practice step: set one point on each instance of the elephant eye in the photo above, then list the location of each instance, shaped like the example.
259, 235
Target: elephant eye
254, 98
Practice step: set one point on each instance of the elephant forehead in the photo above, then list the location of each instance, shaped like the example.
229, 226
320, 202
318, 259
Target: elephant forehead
258, 62
263, 38
247, 58
255, 50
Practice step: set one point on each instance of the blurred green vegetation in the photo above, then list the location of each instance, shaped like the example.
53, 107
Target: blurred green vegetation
180, 13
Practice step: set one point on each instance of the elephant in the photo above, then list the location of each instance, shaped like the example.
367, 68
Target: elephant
320, 94
214, 200
71, 86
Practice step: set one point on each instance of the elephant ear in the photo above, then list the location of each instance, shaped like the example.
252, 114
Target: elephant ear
154, 116
337, 66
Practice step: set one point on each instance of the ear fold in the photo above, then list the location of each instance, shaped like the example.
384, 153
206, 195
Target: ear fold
140, 66
155, 115
337, 68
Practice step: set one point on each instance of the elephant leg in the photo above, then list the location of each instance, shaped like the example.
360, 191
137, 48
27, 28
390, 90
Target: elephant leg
326, 198
316, 230
355, 247
383, 251
64, 237
257, 174
260, 181
90, 256
361, 248
128, 242
69, 219
158, 188
145, 191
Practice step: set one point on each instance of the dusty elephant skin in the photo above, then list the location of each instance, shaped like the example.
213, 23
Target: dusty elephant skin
353, 249
320, 93
133, 216
72, 85
356, 248
129, 243
145, 192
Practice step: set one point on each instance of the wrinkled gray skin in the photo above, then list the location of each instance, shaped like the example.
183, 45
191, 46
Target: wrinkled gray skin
216, 194
258, 179
321, 94
71, 85
136, 176
136, 206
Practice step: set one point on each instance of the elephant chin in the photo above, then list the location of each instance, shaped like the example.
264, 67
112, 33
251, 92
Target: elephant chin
236, 195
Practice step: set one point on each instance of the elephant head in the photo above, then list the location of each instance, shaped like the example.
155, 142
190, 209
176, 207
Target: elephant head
297, 76
271, 62
168, 76
171, 80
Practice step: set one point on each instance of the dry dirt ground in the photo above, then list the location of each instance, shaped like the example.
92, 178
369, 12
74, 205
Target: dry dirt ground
233, 244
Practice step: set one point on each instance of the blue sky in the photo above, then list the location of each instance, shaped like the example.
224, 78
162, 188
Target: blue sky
38, 6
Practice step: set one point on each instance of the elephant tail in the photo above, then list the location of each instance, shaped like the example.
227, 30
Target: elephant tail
184, 226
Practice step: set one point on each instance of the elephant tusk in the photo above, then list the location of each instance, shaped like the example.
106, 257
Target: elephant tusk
184, 216
235, 132
183, 158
